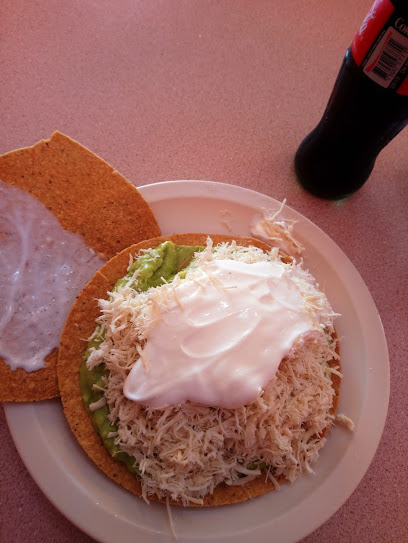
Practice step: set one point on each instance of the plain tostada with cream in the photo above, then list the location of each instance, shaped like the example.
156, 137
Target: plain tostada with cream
63, 213
200, 370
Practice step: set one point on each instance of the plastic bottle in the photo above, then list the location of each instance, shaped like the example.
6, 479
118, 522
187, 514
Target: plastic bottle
368, 106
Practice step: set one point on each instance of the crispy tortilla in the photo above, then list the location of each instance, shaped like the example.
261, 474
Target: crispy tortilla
81, 324
89, 198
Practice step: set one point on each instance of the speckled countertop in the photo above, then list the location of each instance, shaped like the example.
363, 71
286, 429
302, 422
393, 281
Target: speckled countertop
225, 91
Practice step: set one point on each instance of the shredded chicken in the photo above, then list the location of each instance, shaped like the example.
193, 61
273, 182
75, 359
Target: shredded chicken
184, 451
345, 421
278, 232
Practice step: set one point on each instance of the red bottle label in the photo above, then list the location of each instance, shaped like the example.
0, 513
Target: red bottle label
380, 47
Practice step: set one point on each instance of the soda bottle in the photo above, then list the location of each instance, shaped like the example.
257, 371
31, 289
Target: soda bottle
367, 108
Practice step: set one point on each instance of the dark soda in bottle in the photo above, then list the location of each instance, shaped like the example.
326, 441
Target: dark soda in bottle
368, 106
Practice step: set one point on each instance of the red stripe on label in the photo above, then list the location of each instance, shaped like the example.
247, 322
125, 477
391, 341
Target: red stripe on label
403, 88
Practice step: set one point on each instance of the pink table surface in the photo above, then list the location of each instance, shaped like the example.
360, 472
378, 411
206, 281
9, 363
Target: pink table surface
224, 91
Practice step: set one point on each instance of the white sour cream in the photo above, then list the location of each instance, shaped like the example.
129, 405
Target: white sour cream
220, 339
42, 269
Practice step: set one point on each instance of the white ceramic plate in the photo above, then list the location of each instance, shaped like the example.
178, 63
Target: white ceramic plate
108, 513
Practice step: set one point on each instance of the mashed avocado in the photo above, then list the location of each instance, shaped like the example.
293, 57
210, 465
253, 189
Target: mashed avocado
154, 268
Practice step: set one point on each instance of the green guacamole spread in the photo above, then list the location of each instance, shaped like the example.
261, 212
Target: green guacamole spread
154, 267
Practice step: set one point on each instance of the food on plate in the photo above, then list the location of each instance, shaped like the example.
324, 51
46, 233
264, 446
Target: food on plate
82, 200
211, 373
